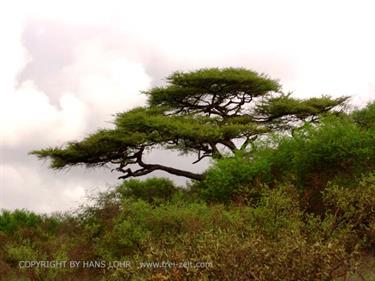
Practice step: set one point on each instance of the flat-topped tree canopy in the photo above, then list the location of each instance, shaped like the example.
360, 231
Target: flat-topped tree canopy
200, 112
212, 91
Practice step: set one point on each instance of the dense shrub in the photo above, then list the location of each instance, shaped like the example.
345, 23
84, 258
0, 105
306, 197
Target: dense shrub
336, 150
354, 208
365, 117
151, 190
226, 178
336, 147
265, 242
272, 239
10, 221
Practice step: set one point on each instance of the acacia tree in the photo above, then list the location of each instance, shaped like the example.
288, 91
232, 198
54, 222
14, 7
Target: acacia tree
206, 112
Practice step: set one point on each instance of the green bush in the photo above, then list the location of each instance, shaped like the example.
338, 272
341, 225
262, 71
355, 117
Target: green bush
365, 117
10, 221
271, 239
354, 208
335, 147
225, 179
151, 190
265, 242
336, 150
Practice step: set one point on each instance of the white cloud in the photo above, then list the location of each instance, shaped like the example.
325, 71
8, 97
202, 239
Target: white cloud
32, 188
75, 194
27, 115
108, 82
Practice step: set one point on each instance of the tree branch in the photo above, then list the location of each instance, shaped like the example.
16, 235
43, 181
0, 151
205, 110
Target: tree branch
148, 168
247, 141
230, 144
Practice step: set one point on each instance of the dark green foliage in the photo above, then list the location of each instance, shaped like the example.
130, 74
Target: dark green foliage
277, 108
152, 190
337, 147
365, 117
336, 150
229, 175
10, 221
188, 91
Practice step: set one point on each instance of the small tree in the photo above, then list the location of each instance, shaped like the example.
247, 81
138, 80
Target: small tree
206, 112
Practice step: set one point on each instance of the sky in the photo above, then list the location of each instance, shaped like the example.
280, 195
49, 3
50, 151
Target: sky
68, 66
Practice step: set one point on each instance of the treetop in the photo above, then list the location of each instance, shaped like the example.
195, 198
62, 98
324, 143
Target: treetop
212, 91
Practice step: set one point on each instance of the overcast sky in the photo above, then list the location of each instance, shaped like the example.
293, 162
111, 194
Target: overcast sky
66, 66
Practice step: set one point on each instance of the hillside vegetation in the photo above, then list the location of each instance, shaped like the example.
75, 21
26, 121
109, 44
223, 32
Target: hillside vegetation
295, 206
